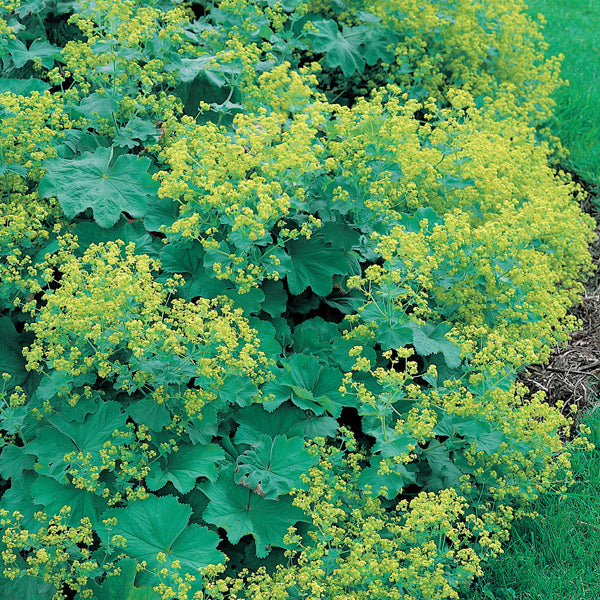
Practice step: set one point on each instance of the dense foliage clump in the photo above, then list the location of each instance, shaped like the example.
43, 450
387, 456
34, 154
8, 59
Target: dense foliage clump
269, 271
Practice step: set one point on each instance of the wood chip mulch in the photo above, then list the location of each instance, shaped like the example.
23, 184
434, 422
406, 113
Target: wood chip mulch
573, 372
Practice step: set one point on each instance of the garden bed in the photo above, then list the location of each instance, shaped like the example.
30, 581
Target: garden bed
269, 272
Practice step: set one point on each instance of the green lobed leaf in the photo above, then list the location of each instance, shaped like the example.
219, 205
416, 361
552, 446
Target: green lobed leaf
238, 390
166, 370
94, 181
23, 87
308, 384
315, 335
13, 168
160, 211
135, 132
99, 105
444, 473
393, 324
255, 421
249, 301
122, 585
11, 357
480, 433
190, 68
90, 233
324, 340
388, 484
187, 258
314, 263
148, 412
275, 302
273, 465
242, 512
392, 443
26, 587
18, 497
267, 336
14, 460
342, 48
161, 525
39, 49
183, 467
63, 436
53, 496
275, 260
431, 339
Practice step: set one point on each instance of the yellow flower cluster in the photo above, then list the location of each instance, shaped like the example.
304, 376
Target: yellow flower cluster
108, 301
248, 179
58, 554
489, 49
444, 193
30, 128
489, 245
356, 549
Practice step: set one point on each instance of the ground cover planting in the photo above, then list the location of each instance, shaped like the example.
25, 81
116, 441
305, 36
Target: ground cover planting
269, 273
553, 555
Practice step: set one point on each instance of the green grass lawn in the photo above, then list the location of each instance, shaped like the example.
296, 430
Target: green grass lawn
573, 29
556, 556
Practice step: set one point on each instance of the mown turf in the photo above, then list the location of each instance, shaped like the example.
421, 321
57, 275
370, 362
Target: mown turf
573, 29
555, 556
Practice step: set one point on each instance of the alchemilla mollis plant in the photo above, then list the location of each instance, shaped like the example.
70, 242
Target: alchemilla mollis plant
269, 271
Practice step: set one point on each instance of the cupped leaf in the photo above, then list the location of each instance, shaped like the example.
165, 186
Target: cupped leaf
95, 181
274, 465
443, 472
308, 384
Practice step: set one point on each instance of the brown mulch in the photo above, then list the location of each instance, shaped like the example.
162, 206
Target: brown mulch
573, 372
